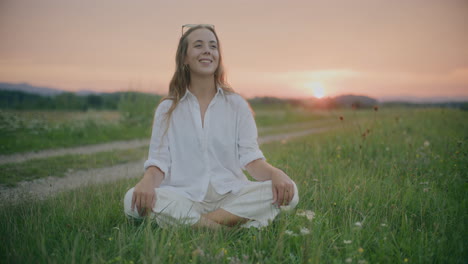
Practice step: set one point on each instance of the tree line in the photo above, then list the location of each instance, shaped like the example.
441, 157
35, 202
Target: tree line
17, 100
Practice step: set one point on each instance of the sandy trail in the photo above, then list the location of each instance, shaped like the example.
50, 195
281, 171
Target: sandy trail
45, 187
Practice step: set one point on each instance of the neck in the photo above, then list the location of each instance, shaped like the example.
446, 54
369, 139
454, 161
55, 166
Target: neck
202, 87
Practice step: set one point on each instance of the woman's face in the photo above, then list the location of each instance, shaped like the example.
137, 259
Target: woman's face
202, 52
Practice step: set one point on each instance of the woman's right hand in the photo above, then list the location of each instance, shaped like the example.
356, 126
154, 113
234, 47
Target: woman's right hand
144, 194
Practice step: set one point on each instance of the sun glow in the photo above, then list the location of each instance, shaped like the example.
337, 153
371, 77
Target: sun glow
317, 89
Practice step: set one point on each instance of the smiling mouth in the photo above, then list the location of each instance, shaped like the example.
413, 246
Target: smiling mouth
205, 61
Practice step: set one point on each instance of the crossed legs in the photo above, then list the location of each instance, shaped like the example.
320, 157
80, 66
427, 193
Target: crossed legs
172, 207
218, 218
252, 206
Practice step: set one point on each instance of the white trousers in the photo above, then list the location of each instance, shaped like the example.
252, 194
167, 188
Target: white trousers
253, 202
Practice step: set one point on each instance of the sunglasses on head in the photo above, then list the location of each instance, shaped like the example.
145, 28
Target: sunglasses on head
188, 26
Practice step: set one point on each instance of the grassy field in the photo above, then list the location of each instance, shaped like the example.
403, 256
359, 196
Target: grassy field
391, 189
58, 166
12, 173
23, 131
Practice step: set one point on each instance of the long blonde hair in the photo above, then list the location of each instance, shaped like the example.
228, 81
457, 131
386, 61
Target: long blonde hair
181, 78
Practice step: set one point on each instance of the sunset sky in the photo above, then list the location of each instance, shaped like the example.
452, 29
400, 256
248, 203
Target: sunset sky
384, 49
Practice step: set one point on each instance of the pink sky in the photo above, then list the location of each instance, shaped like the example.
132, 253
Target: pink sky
283, 48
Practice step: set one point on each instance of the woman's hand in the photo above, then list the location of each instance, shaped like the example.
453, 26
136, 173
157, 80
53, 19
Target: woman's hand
144, 194
282, 187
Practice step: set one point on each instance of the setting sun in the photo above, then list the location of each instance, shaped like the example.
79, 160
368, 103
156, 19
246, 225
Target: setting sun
317, 89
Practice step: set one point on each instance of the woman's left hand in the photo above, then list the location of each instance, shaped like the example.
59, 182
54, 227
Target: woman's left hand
282, 187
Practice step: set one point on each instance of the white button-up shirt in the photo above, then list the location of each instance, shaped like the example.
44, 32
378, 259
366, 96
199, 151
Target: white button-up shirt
193, 155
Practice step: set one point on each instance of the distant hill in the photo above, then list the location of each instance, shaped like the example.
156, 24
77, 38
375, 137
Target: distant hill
18, 100
15, 96
342, 101
27, 88
87, 92
423, 100
359, 101
40, 90
267, 100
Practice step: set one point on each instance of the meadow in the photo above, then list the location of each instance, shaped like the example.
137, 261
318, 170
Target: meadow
26, 131
386, 186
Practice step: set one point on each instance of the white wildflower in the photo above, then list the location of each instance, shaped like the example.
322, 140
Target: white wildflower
383, 224
358, 224
290, 233
305, 231
347, 241
349, 260
426, 144
307, 213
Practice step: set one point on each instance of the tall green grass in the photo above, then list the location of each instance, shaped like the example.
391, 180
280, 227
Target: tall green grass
395, 194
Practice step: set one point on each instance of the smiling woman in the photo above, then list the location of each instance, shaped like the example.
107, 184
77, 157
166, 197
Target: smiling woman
317, 89
194, 171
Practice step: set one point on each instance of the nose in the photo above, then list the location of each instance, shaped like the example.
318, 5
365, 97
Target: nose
206, 50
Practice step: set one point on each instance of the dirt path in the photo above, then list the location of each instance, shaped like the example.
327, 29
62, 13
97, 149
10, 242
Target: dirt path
116, 145
119, 145
45, 187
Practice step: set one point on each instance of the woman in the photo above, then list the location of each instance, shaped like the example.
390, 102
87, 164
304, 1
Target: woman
203, 135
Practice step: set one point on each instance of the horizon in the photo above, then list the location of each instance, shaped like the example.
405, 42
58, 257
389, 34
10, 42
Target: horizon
380, 49
399, 99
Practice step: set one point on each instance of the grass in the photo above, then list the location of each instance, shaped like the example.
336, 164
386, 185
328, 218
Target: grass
395, 194
27, 132
62, 117
276, 115
12, 173
23, 131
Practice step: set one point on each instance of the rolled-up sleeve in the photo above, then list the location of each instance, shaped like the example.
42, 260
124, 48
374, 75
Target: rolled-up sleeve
247, 137
159, 152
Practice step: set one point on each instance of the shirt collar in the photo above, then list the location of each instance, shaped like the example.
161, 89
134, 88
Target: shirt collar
219, 91
187, 93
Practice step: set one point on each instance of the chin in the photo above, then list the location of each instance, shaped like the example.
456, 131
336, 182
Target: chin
205, 73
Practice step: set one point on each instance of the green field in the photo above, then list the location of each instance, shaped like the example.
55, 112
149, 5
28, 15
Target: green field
12, 173
386, 187
25, 131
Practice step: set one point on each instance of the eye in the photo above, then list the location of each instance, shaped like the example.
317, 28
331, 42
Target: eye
197, 46
214, 47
